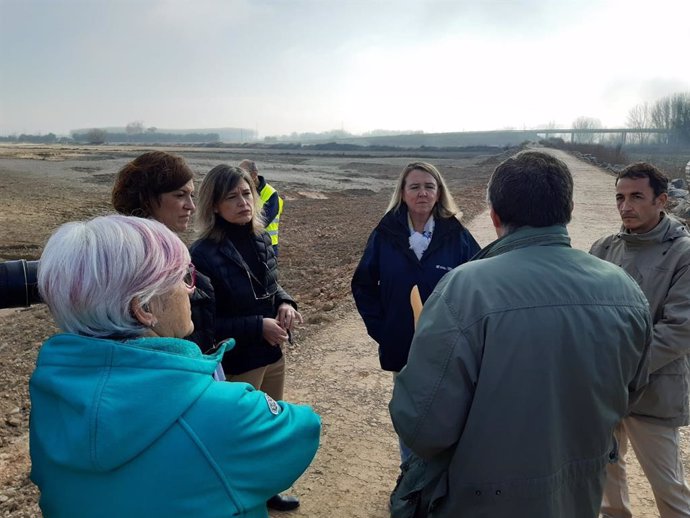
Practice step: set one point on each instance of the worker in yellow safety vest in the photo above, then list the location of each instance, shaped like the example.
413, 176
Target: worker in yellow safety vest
272, 204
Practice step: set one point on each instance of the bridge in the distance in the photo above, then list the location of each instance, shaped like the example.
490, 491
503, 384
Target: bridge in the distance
623, 132
496, 138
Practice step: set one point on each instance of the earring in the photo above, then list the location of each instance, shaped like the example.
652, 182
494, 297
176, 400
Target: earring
154, 323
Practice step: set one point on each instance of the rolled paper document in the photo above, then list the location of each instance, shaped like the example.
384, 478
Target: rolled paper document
416, 302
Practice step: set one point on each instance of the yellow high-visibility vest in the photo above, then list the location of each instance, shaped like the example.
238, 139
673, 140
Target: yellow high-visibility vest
272, 226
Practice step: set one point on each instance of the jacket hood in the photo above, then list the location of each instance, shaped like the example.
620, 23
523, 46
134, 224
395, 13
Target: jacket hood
97, 403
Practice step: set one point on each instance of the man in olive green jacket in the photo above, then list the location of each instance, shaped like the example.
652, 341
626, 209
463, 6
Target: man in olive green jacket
523, 362
654, 248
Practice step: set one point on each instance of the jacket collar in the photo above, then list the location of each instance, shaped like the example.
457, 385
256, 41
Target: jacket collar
228, 249
394, 221
394, 224
668, 229
556, 235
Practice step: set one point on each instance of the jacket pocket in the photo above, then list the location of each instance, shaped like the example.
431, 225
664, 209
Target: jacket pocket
419, 490
405, 499
665, 397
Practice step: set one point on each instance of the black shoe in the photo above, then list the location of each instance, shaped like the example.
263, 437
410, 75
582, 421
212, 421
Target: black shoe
283, 503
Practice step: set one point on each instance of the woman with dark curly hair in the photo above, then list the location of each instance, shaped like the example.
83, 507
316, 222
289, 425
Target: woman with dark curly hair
160, 186
156, 185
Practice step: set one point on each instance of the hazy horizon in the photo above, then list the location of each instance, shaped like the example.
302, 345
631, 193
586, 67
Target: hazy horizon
311, 66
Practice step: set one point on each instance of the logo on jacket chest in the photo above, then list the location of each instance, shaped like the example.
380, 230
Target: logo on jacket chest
272, 405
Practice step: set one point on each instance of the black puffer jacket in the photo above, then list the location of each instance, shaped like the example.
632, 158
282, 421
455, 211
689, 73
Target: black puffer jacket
203, 313
243, 299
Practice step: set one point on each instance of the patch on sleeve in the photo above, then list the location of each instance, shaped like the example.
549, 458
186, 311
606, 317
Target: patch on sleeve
272, 405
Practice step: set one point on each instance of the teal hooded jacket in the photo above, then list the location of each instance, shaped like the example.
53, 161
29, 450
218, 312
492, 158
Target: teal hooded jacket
139, 428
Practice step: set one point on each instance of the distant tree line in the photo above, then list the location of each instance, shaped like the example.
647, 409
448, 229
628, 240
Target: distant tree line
325, 136
671, 113
50, 138
99, 136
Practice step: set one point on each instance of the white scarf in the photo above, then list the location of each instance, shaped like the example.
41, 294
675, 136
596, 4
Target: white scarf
419, 241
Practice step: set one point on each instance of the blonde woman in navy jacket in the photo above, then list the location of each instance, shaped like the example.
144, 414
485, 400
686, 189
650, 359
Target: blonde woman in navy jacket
418, 240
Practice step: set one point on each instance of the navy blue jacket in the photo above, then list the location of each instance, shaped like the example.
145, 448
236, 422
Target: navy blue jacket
387, 271
240, 306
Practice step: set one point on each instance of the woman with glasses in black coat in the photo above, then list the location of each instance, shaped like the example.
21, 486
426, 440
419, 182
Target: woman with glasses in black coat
235, 252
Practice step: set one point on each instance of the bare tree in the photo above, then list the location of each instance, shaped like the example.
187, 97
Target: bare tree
135, 128
680, 118
639, 117
661, 117
586, 123
672, 113
96, 136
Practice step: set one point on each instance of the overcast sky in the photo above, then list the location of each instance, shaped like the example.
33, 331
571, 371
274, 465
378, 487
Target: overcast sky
280, 66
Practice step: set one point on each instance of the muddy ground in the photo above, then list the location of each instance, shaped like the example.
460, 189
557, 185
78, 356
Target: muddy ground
332, 203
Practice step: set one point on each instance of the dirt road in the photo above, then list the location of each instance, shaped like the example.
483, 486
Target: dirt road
337, 372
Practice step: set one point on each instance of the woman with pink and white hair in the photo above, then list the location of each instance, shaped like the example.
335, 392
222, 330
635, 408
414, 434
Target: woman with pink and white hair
125, 411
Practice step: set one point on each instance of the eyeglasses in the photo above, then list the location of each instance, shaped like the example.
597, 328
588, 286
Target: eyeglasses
189, 278
265, 295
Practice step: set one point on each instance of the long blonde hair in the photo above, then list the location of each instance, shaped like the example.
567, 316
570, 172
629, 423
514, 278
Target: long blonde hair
445, 207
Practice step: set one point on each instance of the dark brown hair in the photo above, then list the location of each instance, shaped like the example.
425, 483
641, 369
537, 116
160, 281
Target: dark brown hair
657, 180
142, 181
531, 189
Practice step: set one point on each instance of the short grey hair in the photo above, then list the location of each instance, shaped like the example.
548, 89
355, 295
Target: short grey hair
249, 166
90, 271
